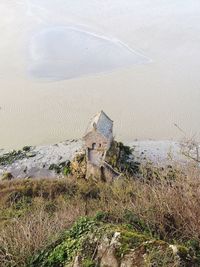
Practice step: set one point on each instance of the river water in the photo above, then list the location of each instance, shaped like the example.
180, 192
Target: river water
62, 61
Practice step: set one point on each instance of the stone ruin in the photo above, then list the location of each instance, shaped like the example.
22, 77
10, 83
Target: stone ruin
103, 158
98, 140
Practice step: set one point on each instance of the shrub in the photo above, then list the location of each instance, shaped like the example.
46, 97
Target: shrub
7, 176
39, 209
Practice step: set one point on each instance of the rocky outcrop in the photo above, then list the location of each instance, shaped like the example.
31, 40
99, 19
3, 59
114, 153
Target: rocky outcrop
91, 243
78, 166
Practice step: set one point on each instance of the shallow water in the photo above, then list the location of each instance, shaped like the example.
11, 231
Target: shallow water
144, 100
59, 53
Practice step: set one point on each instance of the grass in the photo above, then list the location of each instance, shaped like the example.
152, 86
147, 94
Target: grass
34, 212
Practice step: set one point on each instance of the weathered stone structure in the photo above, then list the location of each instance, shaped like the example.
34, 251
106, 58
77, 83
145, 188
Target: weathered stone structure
98, 139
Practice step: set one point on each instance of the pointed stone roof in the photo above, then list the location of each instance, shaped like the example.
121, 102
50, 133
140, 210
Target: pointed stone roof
102, 124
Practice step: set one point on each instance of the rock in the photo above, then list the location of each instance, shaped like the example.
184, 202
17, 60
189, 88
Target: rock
30, 154
135, 258
107, 251
93, 243
109, 258
78, 166
77, 262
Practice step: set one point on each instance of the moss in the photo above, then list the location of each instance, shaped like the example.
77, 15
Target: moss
182, 251
156, 252
88, 263
161, 257
129, 240
87, 233
64, 250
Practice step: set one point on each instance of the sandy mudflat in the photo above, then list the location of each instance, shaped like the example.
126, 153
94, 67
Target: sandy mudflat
144, 100
59, 53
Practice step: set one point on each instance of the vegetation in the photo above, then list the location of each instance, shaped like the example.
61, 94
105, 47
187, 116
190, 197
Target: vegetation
63, 167
120, 157
10, 157
35, 214
88, 236
7, 176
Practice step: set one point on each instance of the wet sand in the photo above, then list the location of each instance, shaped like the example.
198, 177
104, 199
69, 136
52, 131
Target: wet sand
63, 53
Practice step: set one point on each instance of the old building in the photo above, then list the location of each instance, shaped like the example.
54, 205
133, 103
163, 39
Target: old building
98, 139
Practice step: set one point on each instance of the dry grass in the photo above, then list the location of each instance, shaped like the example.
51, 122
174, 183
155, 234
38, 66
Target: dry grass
172, 208
39, 226
166, 208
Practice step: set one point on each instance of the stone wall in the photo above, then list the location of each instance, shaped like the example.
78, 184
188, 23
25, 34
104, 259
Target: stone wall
101, 142
93, 172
